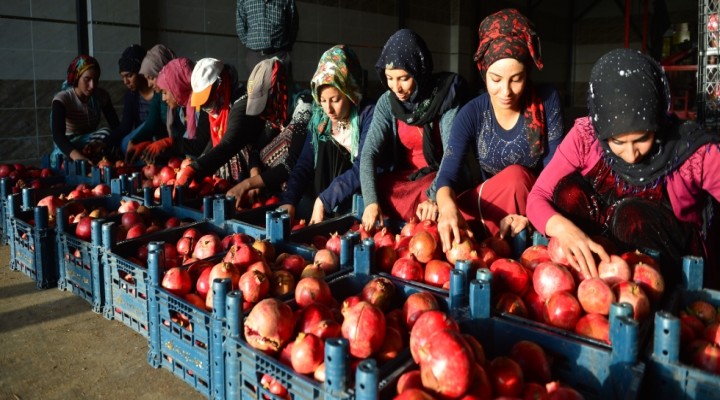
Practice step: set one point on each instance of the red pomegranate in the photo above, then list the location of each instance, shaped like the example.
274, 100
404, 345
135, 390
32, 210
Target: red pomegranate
500, 246
423, 246
595, 296
311, 315
177, 281
292, 263
506, 377
269, 326
327, 260
379, 291
428, 322
557, 254
650, 280
615, 270
409, 380
309, 290
562, 310
551, 277
206, 246
282, 283
631, 292
534, 255
416, 304
448, 364
595, 326
437, 273
461, 251
385, 257
408, 268
509, 274
533, 361
364, 328
254, 285
509, 302
308, 352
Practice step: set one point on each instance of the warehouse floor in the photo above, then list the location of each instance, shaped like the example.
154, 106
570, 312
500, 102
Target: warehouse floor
53, 346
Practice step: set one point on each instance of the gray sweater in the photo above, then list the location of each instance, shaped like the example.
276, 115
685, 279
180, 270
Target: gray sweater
382, 143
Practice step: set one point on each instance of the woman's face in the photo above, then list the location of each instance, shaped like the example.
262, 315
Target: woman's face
632, 147
335, 104
87, 83
169, 98
130, 80
151, 82
401, 83
505, 80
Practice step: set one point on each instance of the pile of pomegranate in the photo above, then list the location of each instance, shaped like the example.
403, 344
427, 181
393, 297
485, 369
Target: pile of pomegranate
700, 336
543, 286
453, 365
24, 176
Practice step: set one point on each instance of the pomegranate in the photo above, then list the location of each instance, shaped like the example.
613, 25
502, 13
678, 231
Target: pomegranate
636, 257
408, 230
409, 380
595, 296
313, 271
557, 254
184, 246
327, 260
595, 326
534, 255
557, 392
311, 315
392, 345
437, 273
535, 305
385, 257
220, 270
562, 310
632, 293
408, 268
293, 263
82, 229
254, 285
166, 173
266, 249
364, 328
269, 326
414, 394
206, 246
448, 364
136, 230
703, 310
428, 322
509, 302
130, 218
532, 360
460, 251
509, 274
281, 283
416, 304
379, 292
707, 357
177, 281
235, 239
650, 280
384, 238
52, 203
308, 352
309, 290
551, 277
423, 246
202, 285
327, 328
506, 377
614, 270
172, 222
500, 246
101, 189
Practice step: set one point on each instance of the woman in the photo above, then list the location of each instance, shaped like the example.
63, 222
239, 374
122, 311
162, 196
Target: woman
512, 130
409, 130
330, 156
76, 112
629, 172
155, 125
184, 136
138, 97
239, 134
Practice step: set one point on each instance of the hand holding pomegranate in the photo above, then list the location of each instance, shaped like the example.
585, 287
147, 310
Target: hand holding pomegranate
428, 209
239, 191
134, 151
451, 225
185, 175
372, 215
576, 245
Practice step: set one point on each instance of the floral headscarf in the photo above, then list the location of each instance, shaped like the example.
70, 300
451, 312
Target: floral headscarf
507, 34
77, 67
340, 68
175, 78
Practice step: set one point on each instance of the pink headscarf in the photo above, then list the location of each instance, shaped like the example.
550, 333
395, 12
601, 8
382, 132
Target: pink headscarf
175, 78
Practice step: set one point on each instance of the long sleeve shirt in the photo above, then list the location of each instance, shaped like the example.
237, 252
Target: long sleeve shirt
495, 148
580, 151
268, 25
70, 116
342, 187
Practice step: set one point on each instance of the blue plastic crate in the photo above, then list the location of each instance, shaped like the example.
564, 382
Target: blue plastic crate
245, 366
597, 370
126, 283
32, 244
667, 376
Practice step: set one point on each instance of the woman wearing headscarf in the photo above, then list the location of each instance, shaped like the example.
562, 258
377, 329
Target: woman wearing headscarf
155, 124
239, 134
138, 97
76, 112
186, 135
330, 157
408, 133
511, 131
629, 172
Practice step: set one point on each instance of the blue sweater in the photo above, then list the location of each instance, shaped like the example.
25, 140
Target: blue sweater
495, 148
342, 187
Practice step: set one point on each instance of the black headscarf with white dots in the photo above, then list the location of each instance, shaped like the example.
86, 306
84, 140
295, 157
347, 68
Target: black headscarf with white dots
629, 92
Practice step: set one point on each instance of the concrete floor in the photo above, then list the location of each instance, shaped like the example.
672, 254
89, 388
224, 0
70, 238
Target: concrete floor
52, 346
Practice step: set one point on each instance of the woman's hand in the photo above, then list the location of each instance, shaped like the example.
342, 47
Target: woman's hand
318, 214
290, 210
512, 224
577, 246
134, 151
238, 191
428, 209
371, 215
78, 155
451, 225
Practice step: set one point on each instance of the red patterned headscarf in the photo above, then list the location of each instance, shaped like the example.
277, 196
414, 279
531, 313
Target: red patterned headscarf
78, 66
275, 111
509, 34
